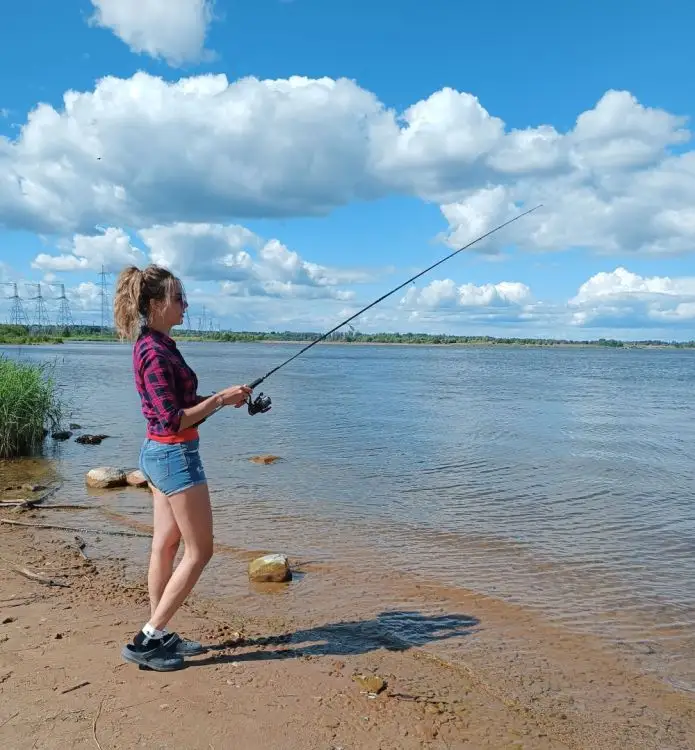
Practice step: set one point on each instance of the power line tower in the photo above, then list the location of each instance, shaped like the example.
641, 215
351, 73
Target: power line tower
64, 318
40, 312
203, 321
105, 309
18, 315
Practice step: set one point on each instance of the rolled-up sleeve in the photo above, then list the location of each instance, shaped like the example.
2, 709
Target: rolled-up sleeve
158, 377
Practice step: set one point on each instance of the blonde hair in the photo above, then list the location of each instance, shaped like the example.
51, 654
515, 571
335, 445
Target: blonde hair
135, 292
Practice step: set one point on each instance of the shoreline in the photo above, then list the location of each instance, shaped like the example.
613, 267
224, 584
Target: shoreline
512, 682
625, 346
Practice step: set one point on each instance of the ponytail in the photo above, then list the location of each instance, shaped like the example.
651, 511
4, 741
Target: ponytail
127, 302
135, 290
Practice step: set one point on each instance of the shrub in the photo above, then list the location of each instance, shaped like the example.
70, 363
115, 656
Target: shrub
29, 405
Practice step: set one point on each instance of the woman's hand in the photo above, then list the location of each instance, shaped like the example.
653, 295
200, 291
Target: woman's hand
235, 395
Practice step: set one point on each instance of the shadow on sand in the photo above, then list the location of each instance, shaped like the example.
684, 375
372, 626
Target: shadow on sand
394, 631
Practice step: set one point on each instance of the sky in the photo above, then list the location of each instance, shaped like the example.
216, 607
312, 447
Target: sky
292, 160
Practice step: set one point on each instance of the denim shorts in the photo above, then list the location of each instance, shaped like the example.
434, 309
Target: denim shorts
172, 468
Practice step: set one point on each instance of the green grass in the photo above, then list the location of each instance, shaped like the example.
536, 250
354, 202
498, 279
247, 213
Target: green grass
29, 405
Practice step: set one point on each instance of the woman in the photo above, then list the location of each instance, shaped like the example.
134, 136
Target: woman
147, 304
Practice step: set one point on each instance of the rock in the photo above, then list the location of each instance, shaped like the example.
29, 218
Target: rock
105, 477
8, 620
61, 435
90, 439
264, 459
371, 683
136, 478
33, 487
270, 568
75, 426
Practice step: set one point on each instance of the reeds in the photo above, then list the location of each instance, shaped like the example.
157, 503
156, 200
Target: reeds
29, 406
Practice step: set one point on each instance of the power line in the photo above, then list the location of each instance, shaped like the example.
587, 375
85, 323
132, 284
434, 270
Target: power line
40, 312
105, 310
18, 315
64, 317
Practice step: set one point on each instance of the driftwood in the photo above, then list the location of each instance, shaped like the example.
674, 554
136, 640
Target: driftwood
30, 502
75, 687
73, 528
34, 576
30, 505
80, 544
94, 724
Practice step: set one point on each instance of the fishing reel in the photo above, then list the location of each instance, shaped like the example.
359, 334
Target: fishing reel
260, 405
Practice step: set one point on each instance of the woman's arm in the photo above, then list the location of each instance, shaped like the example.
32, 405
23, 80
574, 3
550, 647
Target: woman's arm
158, 376
160, 383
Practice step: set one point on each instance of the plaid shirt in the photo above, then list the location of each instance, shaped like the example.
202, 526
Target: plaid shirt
166, 384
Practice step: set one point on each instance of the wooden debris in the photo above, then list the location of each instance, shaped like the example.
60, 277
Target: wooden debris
72, 528
75, 687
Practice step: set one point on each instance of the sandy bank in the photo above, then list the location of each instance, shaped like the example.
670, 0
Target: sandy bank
63, 684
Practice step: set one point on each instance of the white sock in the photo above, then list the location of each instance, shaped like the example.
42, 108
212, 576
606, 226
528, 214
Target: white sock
153, 633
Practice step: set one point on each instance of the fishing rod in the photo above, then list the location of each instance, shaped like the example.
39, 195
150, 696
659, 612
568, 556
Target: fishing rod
262, 404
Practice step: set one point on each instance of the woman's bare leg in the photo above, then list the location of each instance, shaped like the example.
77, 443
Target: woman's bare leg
165, 545
193, 515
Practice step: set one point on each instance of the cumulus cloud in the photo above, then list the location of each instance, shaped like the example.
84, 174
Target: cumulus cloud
440, 293
172, 30
143, 151
620, 298
246, 264
85, 296
111, 249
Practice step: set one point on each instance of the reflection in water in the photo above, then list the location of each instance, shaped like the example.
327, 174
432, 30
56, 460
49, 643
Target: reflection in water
555, 479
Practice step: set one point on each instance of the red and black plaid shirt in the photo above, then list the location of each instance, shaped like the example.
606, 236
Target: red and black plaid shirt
166, 384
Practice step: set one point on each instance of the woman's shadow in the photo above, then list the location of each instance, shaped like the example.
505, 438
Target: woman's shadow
394, 630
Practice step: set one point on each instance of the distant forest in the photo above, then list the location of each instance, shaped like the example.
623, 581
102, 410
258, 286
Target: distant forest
18, 334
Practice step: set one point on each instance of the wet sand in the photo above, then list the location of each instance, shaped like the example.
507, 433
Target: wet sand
282, 682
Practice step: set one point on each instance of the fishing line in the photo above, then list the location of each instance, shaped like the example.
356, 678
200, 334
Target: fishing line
261, 403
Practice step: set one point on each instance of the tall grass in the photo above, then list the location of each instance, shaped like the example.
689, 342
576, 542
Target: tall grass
29, 405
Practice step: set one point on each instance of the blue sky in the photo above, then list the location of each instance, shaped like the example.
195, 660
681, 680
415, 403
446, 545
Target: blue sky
289, 205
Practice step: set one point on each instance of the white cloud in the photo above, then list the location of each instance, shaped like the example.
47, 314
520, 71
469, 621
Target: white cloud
245, 263
110, 249
173, 30
444, 301
85, 296
202, 251
620, 298
142, 151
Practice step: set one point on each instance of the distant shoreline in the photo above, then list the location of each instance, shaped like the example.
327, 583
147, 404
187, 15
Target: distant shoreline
438, 344
22, 335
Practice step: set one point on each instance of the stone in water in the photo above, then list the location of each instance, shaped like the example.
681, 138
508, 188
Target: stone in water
270, 569
105, 477
136, 479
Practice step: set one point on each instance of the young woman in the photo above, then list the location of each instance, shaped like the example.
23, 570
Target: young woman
147, 304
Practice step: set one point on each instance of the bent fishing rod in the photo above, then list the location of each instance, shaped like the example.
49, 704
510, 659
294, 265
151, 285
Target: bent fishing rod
262, 404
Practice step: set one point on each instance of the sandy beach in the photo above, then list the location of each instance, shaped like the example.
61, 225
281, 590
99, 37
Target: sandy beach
267, 683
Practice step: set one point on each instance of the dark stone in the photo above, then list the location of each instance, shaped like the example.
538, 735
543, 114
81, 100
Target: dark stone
90, 439
74, 426
61, 435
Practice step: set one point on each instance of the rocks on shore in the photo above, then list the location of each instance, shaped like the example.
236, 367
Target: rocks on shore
371, 683
90, 439
110, 477
271, 568
136, 478
106, 477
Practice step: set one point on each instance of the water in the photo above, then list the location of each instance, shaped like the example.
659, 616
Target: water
560, 480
